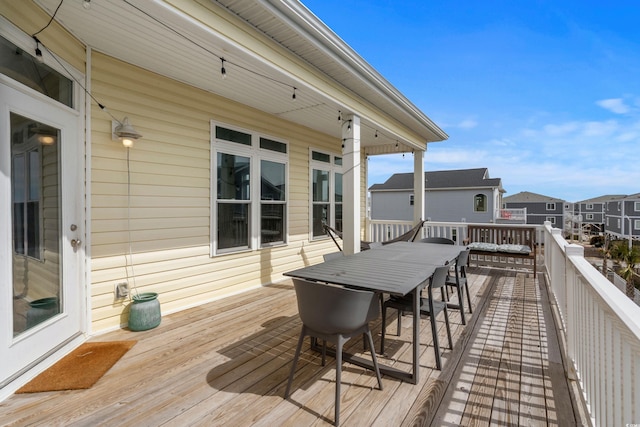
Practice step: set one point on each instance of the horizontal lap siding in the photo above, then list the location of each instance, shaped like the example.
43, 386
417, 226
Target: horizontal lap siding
170, 194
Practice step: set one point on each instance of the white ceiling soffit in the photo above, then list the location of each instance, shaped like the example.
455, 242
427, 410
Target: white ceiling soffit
155, 36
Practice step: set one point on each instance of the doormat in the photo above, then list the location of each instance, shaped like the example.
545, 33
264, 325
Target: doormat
80, 369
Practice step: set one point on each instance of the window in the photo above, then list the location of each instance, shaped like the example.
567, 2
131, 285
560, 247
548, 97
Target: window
250, 204
589, 206
480, 203
411, 201
636, 206
589, 216
326, 192
551, 206
551, 219
618, 223
636, 224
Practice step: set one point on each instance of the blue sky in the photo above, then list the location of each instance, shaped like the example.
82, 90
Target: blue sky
544, 93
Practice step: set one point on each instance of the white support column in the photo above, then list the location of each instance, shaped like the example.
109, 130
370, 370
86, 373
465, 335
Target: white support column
351, 185
418, 187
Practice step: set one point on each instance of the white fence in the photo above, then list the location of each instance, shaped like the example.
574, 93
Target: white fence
601, 329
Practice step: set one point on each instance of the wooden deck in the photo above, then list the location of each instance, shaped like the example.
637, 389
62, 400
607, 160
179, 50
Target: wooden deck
226, 363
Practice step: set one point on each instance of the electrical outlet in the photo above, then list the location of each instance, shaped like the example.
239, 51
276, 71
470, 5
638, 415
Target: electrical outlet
122, 290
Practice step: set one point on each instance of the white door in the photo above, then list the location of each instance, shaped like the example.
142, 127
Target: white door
41, 252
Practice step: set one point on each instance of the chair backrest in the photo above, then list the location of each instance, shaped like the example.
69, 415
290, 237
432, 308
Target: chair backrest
439, 277
463, 258
439, 240
333, 309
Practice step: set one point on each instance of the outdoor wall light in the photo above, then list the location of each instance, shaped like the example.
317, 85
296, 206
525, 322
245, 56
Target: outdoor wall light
124, 132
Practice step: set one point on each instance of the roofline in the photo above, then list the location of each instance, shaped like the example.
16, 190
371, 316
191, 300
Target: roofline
300, 17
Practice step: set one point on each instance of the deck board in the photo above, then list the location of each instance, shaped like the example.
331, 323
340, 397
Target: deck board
227, 363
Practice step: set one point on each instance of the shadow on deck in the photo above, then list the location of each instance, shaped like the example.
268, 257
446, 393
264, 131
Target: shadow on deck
227, 362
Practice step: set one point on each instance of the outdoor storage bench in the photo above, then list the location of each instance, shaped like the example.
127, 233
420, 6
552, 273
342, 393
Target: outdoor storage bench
502, 246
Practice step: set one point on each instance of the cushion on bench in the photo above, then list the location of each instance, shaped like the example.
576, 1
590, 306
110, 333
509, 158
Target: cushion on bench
514, 249
483, 246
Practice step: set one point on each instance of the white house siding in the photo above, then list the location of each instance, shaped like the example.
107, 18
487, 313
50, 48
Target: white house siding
170, 187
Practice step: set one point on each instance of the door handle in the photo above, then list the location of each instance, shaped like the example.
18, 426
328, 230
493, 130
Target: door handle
75, 243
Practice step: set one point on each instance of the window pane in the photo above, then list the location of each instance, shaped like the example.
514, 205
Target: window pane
233, 225
233, 135
338, 161
338, 191
33, 229
320, 217
320, 186
34, 175
269, 144
18, 228
233, 175
273, 183
24, 68
339, 216
272, 223
480, 204
321, 157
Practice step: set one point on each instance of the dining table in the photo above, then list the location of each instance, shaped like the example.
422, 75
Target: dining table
398, 268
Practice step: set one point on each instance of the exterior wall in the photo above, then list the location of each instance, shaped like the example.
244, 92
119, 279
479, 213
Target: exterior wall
171, 194
444, 205
457, 205
537, 212
613, 217
392, 205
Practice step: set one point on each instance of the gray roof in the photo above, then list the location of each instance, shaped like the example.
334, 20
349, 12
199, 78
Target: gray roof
602, 199
460, 178
526, 196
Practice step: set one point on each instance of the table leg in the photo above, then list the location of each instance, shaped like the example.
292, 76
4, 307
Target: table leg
416, 335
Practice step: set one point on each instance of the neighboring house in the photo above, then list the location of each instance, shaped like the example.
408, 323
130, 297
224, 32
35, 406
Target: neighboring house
256, 120
539, 208
590, 213
466, 195
622, 217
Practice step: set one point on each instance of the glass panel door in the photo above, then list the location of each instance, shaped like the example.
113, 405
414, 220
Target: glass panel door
41, 221
35, 200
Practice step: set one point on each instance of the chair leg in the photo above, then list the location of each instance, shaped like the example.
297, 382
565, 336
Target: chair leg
295, 361
399, 327
461, 303
466, 285
374, 359
383, 326
324, 352
436, 346
446, 320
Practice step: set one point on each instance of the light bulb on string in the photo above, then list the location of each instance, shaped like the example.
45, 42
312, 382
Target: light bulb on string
223, 70
294, 94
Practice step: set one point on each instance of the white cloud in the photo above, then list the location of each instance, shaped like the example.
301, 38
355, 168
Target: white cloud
468, 124
615, 105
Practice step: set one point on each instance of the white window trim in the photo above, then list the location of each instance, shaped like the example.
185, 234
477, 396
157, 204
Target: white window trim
636, 206
333, 169
255, 154
551, 206
589, 216
551, 219
636, 224
486, 203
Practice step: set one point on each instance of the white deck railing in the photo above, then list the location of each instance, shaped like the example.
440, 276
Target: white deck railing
601, 328
600, 325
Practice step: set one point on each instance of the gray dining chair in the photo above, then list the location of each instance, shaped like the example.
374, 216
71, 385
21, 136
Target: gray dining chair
336, 314
459, 281
428, 307
439, 240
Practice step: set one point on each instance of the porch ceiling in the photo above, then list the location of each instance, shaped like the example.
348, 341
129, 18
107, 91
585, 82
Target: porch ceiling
156, 36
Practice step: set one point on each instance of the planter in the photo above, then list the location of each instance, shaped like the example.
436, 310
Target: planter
41, 310
144, 312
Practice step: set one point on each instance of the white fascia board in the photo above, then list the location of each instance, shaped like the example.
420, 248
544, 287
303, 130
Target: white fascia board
299, 17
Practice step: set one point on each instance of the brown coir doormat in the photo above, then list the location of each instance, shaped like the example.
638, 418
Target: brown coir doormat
80, 369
